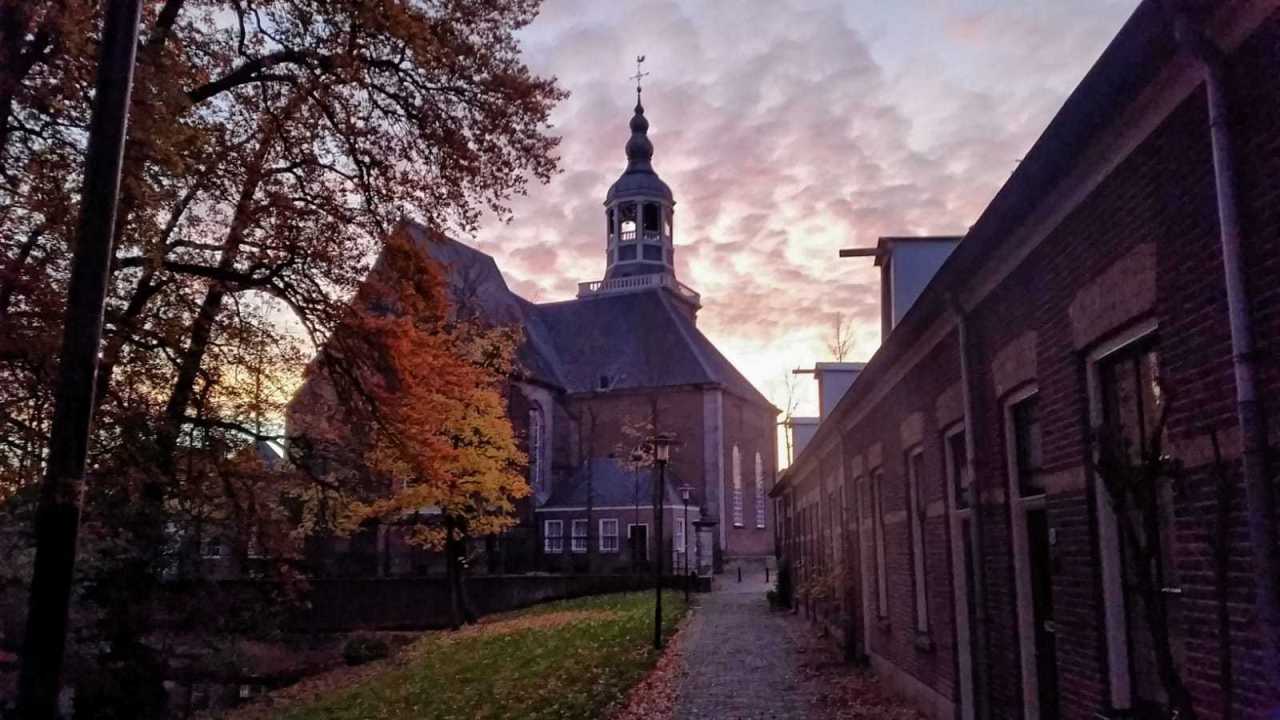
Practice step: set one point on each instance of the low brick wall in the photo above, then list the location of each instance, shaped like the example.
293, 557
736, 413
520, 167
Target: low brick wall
423, 603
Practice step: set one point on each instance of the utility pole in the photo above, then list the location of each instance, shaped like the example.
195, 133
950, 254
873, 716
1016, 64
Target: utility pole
58, 514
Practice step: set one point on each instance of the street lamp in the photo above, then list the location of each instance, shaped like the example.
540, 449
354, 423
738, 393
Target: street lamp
637, 458
685, 491
662, 455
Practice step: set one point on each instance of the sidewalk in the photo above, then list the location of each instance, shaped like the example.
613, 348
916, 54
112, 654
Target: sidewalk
741, 661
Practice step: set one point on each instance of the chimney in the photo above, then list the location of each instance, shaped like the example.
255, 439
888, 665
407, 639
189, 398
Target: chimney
834, 380
907, 264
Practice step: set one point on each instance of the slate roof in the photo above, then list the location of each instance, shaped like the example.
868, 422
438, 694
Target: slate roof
613, 484
635, 340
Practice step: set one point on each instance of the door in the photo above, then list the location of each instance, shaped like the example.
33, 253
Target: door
1038, 545
639, 545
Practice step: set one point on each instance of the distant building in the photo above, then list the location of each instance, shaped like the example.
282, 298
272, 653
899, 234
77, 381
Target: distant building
948, 514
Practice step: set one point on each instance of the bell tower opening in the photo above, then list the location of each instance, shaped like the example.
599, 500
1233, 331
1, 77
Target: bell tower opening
639, 221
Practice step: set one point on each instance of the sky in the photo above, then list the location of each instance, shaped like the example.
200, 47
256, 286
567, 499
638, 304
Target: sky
787, 130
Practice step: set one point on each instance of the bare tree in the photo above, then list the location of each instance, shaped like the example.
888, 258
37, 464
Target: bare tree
841, 338
1138, 475
789, 403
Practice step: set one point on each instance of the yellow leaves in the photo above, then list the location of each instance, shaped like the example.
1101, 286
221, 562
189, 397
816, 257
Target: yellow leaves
442, 442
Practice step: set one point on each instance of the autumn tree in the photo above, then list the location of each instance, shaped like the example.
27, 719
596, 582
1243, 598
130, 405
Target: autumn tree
418, 392
272, 146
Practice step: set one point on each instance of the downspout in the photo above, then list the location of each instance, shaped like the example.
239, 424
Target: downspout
1253, 436
982, 693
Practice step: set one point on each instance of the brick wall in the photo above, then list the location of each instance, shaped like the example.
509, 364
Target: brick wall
1141, 249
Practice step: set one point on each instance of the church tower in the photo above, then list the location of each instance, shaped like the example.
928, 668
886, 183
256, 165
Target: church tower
638, 221
638, 212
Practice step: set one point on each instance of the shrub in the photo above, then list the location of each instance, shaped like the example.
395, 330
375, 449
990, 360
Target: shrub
361, 649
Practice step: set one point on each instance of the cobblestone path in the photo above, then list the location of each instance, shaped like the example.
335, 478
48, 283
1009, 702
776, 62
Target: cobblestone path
740, 659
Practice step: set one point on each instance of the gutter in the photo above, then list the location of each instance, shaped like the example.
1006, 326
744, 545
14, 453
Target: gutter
978, 634
1259, 505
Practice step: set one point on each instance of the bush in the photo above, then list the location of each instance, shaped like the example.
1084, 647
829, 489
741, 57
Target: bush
363, 648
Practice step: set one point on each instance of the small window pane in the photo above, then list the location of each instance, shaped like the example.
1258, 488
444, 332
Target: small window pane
959, 469
1027, 450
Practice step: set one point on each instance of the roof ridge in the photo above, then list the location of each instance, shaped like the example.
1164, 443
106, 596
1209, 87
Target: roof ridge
689, 340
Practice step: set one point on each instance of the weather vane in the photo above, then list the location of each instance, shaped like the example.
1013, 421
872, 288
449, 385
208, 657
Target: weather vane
639, 75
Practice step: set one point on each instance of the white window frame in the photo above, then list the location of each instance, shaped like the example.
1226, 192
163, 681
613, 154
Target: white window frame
678, 542
607, 535
576, 547
739, 516
1115, 621
959, 576
647, 538
915, 520
552, 542
1018, 508
877, 518
761, 505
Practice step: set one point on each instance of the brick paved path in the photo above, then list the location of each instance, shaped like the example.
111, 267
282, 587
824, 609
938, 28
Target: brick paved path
741, 660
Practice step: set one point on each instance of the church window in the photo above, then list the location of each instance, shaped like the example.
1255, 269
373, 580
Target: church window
738, 516
653, 252
760, 504
628, 224
626, 252
608, 223
609, 535
579, 540
537, 431
553, 536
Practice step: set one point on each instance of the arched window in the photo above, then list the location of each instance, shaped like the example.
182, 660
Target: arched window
738, 515
537, 439
760, 504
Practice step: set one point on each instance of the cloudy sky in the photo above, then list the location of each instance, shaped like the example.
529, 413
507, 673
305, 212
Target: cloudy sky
788, 129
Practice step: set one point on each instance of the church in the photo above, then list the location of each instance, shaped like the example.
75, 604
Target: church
601, 374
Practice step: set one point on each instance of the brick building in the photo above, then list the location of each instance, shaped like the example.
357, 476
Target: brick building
947, 519
600, 374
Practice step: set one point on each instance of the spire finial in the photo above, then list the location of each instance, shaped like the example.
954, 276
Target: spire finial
638, 76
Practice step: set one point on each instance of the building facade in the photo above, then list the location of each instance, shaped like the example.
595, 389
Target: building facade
599, 376
955, 518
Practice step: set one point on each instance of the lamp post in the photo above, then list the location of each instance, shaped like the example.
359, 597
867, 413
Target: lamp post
662, 454
685, 491
637, 457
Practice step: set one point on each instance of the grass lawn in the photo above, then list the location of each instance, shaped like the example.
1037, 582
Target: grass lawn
563, 660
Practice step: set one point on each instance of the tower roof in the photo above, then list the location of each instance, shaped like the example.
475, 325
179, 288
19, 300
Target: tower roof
639, 180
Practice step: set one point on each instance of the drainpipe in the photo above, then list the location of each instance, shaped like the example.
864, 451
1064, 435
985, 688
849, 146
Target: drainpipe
978, 636
1253, 436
